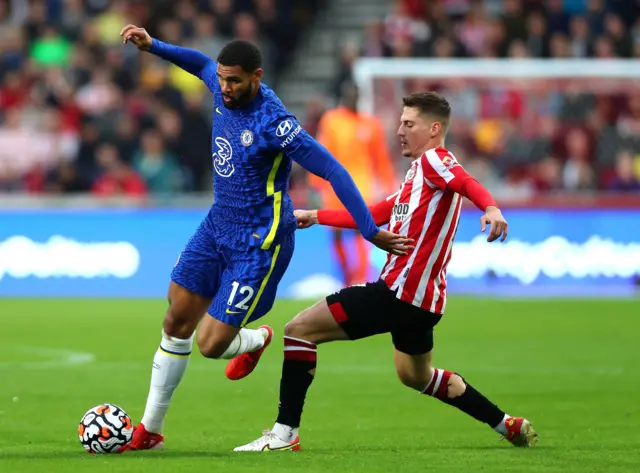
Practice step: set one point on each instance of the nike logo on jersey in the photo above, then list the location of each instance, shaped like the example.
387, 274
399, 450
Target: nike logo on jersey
218, 110
233, 312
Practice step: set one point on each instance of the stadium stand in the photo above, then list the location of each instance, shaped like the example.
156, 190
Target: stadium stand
81, 113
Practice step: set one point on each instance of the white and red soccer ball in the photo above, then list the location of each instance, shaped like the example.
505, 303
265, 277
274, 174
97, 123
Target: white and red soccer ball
105, 429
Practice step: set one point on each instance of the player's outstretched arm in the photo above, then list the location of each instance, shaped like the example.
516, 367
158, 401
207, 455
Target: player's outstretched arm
315, 158
390, 242
190, 60
381, 213
467, 186
443, 171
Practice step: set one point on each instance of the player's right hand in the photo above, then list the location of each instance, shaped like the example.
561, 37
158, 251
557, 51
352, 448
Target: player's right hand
306, 218
138, 36
499, 226
392, 243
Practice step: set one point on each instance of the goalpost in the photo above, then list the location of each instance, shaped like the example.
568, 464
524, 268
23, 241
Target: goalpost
369, 70
513, 96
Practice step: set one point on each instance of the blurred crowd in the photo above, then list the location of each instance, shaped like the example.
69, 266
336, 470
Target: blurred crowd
508, 28
521, 137
81, 112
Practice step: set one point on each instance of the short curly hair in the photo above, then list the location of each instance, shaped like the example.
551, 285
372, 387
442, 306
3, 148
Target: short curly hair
241, 53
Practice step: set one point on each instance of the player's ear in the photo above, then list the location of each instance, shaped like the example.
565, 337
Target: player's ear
257, 74
435, 128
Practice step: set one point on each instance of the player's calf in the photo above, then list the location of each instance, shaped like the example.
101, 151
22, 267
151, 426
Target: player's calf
212, 349
214, 337
217, 339
414, 371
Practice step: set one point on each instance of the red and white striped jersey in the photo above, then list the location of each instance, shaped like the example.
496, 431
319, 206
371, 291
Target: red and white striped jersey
426, 210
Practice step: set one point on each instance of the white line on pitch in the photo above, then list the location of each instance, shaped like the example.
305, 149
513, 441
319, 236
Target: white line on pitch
53, 358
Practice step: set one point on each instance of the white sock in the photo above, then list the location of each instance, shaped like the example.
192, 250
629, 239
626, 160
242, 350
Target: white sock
501, 428
285, 433
246, 341
169, 365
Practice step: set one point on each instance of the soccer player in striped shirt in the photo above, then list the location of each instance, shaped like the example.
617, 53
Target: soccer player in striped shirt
410, 297
228, 273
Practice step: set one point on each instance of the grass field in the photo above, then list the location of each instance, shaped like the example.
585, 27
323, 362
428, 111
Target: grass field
572, 367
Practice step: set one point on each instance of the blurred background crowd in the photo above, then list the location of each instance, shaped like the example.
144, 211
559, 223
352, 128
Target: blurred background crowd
80, 112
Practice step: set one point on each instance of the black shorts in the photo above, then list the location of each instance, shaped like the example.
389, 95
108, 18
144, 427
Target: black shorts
373, 308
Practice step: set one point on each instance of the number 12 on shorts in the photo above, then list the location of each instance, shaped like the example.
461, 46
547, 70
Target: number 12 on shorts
245, 292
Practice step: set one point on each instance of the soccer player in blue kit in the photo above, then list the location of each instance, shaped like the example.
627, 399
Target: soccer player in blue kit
231, 266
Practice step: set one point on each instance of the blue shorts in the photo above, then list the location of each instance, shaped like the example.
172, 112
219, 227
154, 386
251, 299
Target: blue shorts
241, 283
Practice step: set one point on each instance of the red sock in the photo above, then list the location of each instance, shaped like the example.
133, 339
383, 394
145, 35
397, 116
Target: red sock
300, 350
471, 402
437, 387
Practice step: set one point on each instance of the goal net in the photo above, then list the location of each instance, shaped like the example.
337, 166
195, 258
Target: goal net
566, 120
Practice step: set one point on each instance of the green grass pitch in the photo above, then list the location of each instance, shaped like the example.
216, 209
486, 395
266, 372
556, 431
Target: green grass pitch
570, 366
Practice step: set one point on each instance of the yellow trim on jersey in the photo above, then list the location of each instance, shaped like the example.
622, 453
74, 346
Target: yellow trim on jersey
174, 355
274, 258
277, 202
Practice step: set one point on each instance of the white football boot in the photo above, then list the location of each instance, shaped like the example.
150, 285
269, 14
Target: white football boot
269, 442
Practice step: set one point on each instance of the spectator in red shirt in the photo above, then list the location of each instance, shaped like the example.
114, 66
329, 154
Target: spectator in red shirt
118, 178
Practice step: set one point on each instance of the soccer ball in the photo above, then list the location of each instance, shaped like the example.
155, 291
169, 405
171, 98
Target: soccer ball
104, 429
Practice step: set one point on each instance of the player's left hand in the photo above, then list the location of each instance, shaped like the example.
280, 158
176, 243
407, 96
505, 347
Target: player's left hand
499, 226
306, 218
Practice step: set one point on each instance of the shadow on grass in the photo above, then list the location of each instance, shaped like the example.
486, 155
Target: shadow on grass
319, 450
87, 457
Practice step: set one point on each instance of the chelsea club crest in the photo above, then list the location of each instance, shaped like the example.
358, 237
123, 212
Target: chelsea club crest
246, 138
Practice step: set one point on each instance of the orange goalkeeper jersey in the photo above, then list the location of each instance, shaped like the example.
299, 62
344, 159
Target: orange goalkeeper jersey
357, 141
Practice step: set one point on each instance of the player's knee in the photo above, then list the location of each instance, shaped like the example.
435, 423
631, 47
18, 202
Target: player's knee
298, 328
456, 386
294, 329
177, 326
212, 348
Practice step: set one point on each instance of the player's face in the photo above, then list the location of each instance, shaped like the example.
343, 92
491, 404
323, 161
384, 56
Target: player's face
416, 132
238, 87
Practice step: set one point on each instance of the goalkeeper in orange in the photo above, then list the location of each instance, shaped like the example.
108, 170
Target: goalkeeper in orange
357, 141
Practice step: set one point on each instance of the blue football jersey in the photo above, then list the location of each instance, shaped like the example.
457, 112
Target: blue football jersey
250, 147
252, 150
